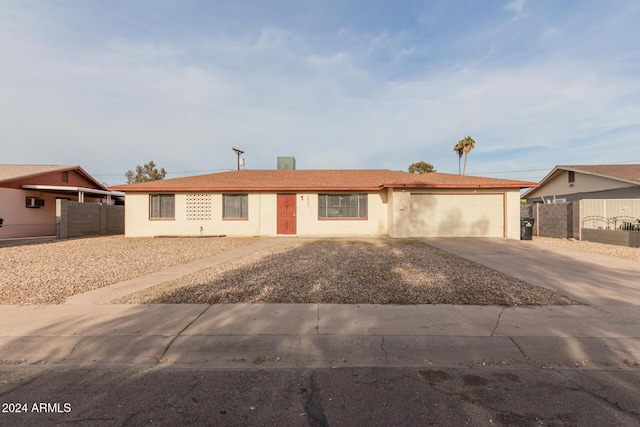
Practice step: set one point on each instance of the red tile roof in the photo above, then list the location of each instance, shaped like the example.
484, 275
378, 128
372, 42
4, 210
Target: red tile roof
288, 180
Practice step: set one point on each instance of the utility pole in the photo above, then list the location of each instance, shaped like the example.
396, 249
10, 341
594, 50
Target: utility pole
238, 152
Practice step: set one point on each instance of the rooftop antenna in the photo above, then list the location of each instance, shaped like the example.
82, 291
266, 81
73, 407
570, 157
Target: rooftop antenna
238, 152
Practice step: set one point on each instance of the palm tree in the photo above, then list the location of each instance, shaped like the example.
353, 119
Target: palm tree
468, 144
459, 148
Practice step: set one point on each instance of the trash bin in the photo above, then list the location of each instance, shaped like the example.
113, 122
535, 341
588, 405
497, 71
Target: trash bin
526, 228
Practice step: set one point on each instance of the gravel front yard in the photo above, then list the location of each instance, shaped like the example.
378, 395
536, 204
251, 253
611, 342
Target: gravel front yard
329, 271
357, 272
48, 273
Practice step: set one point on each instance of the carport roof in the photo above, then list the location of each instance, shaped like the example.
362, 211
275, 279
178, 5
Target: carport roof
343, 179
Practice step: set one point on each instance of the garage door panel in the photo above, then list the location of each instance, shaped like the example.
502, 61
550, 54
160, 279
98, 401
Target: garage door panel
457, 215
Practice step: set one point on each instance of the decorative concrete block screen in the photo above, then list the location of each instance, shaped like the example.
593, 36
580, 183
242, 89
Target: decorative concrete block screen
199, 207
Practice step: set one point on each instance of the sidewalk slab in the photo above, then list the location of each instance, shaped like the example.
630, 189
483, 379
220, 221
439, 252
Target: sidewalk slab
256, 319
366, 319
627, 312
118, 290
337, 351
84, 351
285, 335
34, 350
98, 320
566, 321
131, 350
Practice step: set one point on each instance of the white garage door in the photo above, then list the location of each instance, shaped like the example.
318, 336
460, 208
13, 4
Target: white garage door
457, 215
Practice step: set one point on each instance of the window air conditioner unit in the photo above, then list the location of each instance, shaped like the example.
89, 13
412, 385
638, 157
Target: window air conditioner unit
35, 202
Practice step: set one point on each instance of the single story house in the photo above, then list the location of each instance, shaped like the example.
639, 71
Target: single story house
324, 203
573, 183
28, 195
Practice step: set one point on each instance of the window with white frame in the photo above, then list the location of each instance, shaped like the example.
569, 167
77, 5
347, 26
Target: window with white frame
344, 206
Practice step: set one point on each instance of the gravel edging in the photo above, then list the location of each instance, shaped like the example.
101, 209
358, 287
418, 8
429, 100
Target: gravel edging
48, 273
591, 247
349, 272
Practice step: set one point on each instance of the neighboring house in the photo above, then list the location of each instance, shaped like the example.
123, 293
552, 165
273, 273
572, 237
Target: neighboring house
28, 195
325, 203
572, 183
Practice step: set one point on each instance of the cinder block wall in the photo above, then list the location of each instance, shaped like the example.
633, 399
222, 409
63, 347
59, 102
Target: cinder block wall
76, 219
612, 237
115, 219
554, 219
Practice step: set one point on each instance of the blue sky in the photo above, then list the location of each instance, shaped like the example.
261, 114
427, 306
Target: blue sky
336, 84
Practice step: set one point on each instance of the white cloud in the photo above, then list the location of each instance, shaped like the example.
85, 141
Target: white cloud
517, 6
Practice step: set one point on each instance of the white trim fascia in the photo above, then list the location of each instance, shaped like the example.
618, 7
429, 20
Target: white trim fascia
75, 189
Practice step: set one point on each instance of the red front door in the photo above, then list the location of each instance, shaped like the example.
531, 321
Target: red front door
286, 214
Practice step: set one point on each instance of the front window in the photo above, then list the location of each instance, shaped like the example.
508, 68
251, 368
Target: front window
162, 206
235, 206
347, 206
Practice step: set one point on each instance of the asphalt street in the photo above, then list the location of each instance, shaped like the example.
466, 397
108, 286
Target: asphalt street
433, 395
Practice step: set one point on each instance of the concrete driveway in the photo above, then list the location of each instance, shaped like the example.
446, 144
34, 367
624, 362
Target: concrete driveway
589, 278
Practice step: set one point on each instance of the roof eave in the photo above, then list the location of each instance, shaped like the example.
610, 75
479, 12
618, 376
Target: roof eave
62, 168
601, 175
552, 174
278, 189
317, 188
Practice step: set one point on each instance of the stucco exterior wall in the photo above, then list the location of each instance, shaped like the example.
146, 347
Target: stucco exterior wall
388, 214
401, 213
262, 217
512, 214
20, 221
138, 223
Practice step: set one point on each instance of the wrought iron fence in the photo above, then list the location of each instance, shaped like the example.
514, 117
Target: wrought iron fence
626, 223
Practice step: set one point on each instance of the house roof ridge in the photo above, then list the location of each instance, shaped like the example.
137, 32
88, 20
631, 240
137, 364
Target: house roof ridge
320, 179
